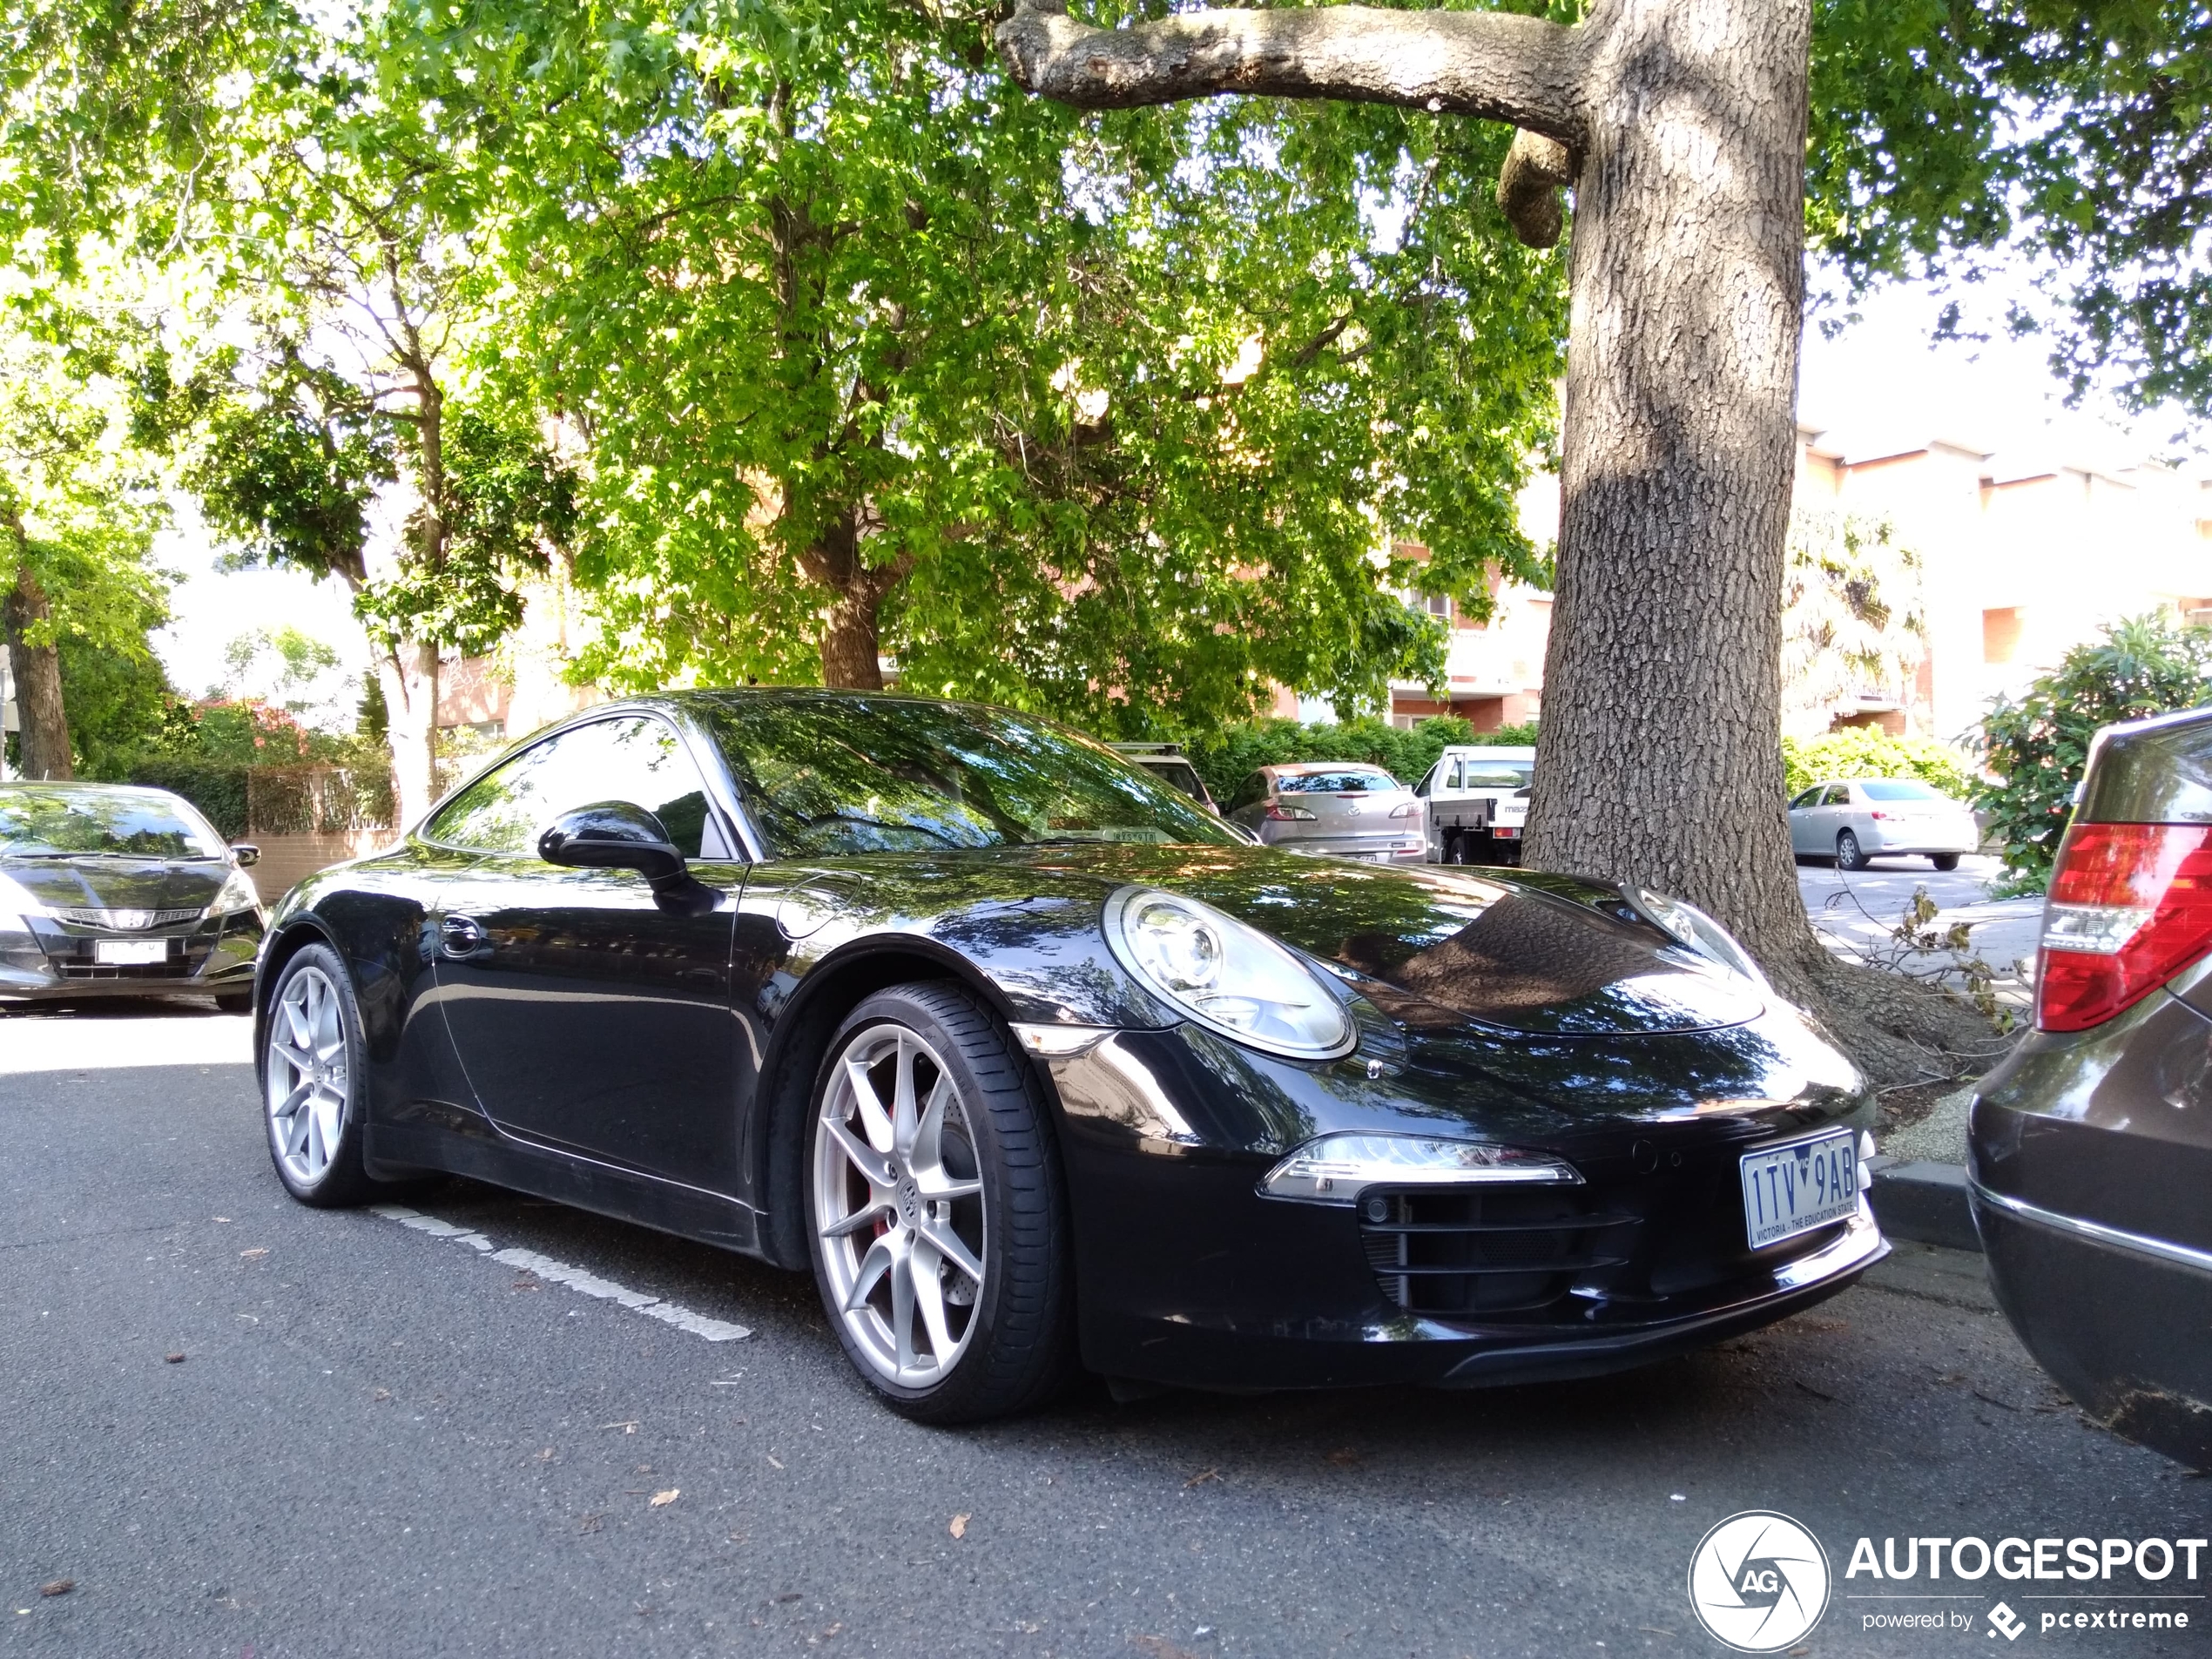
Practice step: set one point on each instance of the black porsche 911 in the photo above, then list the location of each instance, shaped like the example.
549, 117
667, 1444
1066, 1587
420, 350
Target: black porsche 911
1035, 1064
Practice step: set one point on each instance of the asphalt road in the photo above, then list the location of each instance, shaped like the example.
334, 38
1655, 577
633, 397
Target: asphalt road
1855, 912
384, 1440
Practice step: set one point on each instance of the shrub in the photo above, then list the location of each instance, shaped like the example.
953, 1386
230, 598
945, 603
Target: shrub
1863, 751
1226, 757
2038, 748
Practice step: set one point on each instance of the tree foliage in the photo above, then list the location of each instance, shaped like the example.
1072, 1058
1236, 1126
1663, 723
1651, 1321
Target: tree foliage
2038, 747
1853, 616
1094, 417
1949, 136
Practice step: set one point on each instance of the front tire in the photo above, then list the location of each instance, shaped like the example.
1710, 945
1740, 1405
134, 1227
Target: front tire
1849, 854
935, 1215
315, 1091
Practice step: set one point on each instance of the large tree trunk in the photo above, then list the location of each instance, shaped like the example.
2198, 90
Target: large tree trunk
43, 730
409, 677
1658, 756
1680, 125
852, 631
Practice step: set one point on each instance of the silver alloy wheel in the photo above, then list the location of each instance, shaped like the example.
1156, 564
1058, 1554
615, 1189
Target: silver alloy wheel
309, 1076
899, 1206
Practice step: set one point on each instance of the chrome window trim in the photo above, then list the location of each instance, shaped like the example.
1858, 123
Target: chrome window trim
2096, 1231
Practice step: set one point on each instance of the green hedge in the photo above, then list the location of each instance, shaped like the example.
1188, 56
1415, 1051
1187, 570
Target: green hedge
1226, 757
241, 800
217, 787
1862, 751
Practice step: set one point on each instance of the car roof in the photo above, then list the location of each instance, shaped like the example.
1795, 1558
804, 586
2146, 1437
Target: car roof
1306, 768
1491, 751
85, 786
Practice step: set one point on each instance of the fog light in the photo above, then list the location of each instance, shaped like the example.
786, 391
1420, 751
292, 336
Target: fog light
1331, 1169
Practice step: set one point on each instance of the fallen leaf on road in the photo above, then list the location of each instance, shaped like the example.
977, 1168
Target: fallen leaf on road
172, 1358
546, 1456
258, 1250
629, 1428
381, 1394
589, 1523
222, 1217
778, 1462
1202, 1477
832, 1630
958, 1529
662, 1500
58, 1587
1029, 1627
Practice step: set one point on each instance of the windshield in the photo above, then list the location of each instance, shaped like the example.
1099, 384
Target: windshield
829, 775
1332, 782
1898, 789
122, 823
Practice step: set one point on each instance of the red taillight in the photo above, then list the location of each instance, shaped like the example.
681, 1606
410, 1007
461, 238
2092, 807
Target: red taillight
2130, 907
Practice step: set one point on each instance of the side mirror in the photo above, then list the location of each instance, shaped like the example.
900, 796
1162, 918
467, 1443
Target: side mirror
612, 835
245, 855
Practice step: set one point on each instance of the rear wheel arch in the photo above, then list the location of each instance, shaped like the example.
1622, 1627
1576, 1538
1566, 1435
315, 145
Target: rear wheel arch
776, 1155
295, 936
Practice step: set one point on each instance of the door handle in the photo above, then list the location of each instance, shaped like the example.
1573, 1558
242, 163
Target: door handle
463, 938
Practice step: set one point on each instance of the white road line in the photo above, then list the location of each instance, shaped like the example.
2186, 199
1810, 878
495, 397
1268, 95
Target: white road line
576, 1278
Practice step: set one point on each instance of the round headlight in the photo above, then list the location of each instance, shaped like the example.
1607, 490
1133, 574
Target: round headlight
1228, 977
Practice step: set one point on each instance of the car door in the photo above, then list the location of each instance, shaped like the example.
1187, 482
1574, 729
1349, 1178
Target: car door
1802, 835
589, 1013
1846, 813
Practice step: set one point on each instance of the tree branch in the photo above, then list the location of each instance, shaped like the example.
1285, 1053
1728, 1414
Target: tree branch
1499, 65
1535, 170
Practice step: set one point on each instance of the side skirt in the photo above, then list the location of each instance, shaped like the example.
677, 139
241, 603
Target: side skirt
500, 1160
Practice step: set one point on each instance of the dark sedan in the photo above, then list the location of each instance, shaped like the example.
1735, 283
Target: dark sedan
1035, 1064
107, 889
2090, 1148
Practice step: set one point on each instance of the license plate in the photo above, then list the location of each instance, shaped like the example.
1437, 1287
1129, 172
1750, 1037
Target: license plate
1792, 1190
120, 953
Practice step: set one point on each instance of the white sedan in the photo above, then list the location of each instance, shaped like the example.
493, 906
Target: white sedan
1853, 820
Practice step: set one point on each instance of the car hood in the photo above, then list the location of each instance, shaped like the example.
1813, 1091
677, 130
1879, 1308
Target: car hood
1433, 947
118, 884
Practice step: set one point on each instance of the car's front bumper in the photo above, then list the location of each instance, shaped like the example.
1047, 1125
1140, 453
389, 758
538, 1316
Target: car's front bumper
1187, 1275
57, 960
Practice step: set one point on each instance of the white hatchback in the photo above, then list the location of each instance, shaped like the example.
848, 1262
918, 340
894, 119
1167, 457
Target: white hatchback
1853, 820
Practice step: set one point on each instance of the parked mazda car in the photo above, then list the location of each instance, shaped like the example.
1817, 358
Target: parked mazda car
1033, 1063
1854, 819
2090, 1148
1346, 808
111, 889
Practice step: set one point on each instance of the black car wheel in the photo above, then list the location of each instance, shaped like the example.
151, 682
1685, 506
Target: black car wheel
1849, 856
313, 1091
1944, 861
937, 1222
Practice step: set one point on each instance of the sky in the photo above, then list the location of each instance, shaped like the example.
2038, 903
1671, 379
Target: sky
1880, 384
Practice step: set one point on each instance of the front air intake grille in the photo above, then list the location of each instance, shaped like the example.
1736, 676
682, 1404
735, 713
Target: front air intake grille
1466, 1252
129, 921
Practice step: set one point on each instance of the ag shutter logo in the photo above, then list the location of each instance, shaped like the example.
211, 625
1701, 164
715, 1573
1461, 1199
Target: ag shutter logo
2008, 1623
1758, 1581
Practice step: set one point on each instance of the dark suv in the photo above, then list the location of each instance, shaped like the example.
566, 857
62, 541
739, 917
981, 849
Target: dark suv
2090, 1148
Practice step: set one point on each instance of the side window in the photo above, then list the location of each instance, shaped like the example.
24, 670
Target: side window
1429, 780
637, 760
1839, 795
1805, 799
1253, 788
1459, 778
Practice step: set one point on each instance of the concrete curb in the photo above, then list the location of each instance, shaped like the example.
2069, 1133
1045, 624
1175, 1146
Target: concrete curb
1924, 1202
